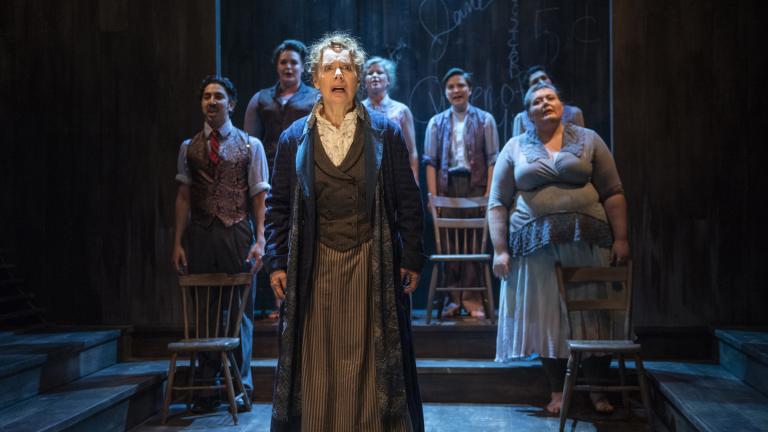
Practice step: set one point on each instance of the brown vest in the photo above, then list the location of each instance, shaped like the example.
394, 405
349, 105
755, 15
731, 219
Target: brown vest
276, 117
474, 141
343, 220
219, 190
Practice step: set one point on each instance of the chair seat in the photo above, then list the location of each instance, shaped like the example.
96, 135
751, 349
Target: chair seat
204, 344
460, 258
624, 346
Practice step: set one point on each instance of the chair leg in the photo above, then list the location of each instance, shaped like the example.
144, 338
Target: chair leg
644, 390
239, 381
489, 293
410, 307
230, 388
623, 381
431, 294
169, 389
574, 360
191, 377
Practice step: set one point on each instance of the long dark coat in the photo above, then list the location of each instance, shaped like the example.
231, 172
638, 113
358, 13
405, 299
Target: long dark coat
385, 151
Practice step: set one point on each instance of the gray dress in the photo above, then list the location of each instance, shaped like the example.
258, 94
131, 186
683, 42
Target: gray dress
555, 214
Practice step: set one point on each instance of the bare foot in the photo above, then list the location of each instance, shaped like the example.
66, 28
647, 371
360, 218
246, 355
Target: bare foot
479, 313
450, 310
554, 405
601, 403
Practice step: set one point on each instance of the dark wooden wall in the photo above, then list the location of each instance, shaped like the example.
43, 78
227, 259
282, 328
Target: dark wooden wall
690, 144
495, 40
97, 96
102, 94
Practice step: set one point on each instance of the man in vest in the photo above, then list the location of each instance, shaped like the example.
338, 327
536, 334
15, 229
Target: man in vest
460, 149
222, 175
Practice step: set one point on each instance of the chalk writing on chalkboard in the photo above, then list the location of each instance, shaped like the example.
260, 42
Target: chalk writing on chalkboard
396, 53
447, 21
580, 31
430, 90
548, 38
513, 41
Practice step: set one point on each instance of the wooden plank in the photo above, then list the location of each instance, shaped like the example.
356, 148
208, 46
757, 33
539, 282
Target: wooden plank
215, 279
594, 274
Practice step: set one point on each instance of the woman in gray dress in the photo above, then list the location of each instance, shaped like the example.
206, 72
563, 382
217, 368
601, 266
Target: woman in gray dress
555, 196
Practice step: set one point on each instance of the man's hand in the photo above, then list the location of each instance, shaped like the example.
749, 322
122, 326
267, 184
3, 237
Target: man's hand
410, 280
179, 259
501, 264
254, 256
278, 281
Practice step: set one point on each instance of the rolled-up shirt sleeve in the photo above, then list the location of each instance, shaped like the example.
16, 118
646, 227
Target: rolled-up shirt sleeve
491, 140
182, 170
258, 171
430, 145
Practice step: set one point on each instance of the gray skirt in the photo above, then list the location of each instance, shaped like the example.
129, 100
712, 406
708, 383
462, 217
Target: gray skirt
531, 317
338, 376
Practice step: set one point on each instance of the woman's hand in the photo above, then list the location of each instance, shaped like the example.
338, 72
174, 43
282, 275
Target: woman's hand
278, 280
620, 252
501, 264
410, 280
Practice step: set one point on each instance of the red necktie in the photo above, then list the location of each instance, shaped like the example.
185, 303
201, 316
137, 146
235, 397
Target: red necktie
214, 153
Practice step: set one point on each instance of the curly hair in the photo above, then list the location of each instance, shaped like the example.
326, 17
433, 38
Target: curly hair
335, 40
389, 68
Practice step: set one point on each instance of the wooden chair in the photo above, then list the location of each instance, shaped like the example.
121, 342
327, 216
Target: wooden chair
619, 347
207, 300
467, 242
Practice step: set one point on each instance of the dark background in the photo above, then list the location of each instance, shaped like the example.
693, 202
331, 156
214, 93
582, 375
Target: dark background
494, 40
96, 97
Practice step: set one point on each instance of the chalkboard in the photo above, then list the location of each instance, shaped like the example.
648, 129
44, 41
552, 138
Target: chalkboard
495, 40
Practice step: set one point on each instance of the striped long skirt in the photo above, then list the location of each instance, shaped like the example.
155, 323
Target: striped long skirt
338, 377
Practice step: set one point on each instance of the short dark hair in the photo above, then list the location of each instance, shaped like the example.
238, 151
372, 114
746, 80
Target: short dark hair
290, 45
458, 71
536, 68
222, 81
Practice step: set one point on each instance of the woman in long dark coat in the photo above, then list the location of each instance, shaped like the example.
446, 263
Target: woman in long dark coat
344, 249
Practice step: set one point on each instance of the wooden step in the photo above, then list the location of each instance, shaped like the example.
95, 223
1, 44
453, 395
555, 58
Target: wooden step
66, 357
19, 377
450, 381
463, 337
744, 353
113, 399
705, 397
